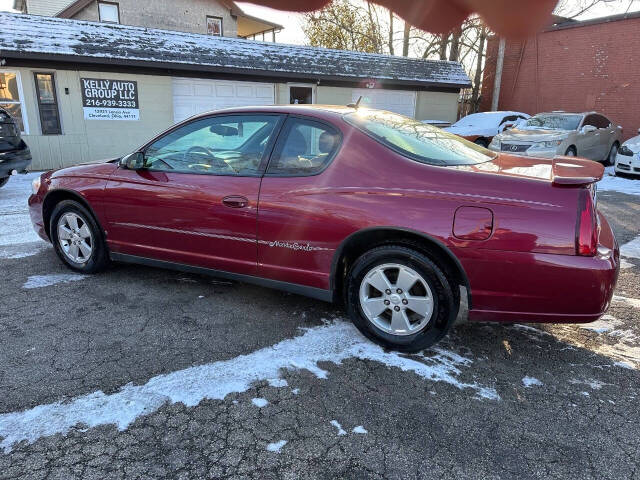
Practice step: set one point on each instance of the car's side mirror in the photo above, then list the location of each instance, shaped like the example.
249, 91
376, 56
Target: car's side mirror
588, 129
133, 161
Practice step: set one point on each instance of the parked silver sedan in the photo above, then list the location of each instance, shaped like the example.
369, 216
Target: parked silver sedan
589, 135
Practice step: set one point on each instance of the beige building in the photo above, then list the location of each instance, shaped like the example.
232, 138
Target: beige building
88, 90
213, 17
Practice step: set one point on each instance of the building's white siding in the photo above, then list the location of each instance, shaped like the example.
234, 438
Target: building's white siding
46, 7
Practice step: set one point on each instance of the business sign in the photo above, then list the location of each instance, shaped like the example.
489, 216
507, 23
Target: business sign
109, 99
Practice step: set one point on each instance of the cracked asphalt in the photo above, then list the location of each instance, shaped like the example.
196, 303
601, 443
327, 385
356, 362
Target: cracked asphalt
568, 402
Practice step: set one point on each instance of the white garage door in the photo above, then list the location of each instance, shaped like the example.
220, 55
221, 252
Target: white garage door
192, 95
398, 101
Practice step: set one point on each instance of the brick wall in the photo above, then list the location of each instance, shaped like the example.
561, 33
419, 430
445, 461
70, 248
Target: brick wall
591, 67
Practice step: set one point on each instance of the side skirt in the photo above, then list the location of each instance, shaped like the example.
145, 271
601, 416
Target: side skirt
317, 293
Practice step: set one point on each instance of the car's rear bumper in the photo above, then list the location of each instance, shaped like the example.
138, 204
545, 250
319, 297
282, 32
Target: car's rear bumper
537, 287
17, 160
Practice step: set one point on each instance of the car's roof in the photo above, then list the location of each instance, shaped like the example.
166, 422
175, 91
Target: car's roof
312, 110
562, 112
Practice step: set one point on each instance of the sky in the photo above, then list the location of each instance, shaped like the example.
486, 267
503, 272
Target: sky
293, 22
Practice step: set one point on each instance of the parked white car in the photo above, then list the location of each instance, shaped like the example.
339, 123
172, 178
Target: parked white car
480, 128
628, 159
589, 135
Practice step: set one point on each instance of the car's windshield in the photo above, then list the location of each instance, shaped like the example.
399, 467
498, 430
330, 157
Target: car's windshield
480, 120
550, 121
417, 140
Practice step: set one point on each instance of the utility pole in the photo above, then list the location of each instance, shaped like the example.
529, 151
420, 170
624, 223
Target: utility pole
498, 79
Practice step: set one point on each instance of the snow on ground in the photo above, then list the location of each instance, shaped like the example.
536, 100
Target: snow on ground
276, 446
39, 281
609, 182
605, 324
341, 431
260, 402
631, 249
530, 381
333, 342
17, 237
360, 430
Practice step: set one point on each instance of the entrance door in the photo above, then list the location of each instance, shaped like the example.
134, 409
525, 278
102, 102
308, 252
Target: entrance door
195, 200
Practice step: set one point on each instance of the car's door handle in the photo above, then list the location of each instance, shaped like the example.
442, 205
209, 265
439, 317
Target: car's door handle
235, 201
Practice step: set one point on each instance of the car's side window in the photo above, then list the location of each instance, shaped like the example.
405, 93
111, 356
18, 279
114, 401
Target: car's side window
590, 120
305, 148
602, 121
220, 145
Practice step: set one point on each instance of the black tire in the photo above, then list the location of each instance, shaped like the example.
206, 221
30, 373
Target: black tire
608, 160
99, 257
3, 181
444, 311
571, 151
482, 142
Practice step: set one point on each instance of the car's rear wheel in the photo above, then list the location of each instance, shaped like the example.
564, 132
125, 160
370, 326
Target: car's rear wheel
400, 299
571, 152
3, 181
77, 238
613, 152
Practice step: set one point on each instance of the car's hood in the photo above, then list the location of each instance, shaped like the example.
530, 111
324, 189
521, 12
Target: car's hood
541, 135
633, 144
96, 169
559, 170
468, 131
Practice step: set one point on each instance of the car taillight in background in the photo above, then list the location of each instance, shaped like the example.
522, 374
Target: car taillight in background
587, 230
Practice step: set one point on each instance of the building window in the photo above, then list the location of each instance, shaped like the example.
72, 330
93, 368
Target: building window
214, 26
47, 103
11, 98
109, 12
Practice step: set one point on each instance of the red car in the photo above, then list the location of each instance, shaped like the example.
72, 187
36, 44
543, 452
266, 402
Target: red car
389, 215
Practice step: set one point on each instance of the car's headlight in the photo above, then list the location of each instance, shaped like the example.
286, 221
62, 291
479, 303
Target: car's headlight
495, 143
547, 144
35, 185
626, 151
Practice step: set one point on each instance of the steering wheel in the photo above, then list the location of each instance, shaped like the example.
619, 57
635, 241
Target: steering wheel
212, 160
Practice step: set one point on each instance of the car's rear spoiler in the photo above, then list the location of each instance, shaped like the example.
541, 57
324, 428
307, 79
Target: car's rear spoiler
575, 172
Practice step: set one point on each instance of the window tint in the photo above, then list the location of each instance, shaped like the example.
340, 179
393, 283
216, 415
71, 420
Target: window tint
601, 121
306, 148
590, 120
417, 140
224, 145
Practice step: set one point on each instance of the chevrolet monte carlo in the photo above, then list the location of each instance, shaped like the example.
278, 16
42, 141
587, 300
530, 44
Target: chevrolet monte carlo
399, 221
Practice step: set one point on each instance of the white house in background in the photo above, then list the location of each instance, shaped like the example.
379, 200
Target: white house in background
85, 90
213, 17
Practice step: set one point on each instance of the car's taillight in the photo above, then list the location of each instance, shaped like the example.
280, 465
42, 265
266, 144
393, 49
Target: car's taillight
587, 228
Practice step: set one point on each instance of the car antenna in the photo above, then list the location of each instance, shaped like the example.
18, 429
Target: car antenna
355, 105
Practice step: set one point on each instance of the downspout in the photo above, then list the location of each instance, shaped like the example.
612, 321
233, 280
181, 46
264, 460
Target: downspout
498, 80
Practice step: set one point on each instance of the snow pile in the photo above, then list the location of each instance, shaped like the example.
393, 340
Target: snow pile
530, 381
631, 249
360, 430
39, 281
260, 402
276, 446
609, 182
341, 431
334, 342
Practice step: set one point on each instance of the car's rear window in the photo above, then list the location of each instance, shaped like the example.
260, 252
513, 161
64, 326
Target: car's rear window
417, 140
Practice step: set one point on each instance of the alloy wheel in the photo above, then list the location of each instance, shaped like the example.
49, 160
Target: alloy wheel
74, 237
396, 299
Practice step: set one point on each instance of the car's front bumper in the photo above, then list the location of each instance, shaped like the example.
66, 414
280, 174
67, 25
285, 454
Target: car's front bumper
628, 165
17, 160
531, 152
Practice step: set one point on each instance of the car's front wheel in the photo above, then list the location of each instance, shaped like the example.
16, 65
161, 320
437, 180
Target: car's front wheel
399, 298
77, 238
3, 181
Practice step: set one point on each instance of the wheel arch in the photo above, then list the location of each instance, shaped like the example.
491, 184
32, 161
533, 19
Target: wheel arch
58, 195
367, 238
